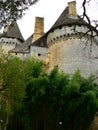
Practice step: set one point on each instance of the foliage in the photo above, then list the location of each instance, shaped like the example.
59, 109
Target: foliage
12, 89
41, 100
60, 101
11, 10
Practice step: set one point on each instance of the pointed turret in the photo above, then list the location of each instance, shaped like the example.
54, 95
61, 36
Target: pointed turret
13, 31
69, 17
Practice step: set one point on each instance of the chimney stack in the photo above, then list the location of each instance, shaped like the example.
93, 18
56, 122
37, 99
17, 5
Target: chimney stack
39, 28
72, 9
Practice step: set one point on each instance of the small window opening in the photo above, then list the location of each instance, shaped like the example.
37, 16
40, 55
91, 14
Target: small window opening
39, 54
60, 36
60, 27
52, 31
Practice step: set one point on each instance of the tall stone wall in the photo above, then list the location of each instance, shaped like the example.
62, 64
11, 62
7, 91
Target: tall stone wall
73, 51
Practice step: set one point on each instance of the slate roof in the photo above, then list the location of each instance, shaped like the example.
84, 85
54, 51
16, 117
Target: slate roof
65, 19
41, 42
13, 32
23, 47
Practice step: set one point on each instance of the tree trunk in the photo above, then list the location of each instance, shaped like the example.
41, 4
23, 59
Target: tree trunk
6, 122
7, 116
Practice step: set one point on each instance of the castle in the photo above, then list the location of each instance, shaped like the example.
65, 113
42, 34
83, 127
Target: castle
71, 43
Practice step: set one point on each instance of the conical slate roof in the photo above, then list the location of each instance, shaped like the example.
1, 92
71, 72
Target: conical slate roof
65, 19
13, 31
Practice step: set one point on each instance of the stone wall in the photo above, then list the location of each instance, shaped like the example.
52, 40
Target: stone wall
65, 31
72, 51
39, 52
73, 54
8, 43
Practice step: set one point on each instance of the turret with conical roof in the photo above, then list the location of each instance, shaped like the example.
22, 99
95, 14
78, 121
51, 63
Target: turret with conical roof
13, 31
11, 37
70, 43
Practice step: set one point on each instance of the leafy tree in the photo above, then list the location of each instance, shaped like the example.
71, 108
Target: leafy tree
11, 86
53, 100
11, 10
35, 83
59, 101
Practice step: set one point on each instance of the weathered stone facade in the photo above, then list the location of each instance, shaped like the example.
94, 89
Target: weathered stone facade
8, 44
70, 50
38, 52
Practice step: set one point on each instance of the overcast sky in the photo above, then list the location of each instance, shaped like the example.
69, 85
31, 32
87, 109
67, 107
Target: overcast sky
50, 10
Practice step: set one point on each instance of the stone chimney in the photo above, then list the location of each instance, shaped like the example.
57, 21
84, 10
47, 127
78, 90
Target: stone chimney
39, 28
72, 9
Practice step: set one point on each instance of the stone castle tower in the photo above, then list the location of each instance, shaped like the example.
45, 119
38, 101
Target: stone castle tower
70, 47
11, 37
68, 44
